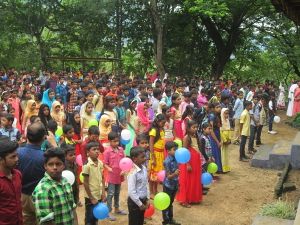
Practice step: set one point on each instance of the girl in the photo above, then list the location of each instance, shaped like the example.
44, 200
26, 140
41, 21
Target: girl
187, 116
86, 115
37, 99
190, 190
26, 96
29, 111
131, 118
215, 122
105, 129
225, 139
14, 101
48, 97
108, 109
157, 147
57, 115
205, 146
143, 121
169, 125
176, 116
44, 114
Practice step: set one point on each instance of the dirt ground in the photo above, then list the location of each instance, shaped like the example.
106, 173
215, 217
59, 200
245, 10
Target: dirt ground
233, 200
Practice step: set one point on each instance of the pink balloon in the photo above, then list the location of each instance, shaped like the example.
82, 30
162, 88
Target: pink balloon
79, 160
161, 175
126, 164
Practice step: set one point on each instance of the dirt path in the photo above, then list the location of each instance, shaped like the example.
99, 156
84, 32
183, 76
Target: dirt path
233, 200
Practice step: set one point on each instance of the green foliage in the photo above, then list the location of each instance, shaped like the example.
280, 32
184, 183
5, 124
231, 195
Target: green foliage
211, 8
280, 209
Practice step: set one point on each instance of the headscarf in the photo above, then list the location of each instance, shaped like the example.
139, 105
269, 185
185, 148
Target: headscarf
104, 131
83, 113
57, 116
28, 112
142, 115
46, 100
225, 122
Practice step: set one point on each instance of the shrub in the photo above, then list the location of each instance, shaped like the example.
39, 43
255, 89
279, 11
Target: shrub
280, 209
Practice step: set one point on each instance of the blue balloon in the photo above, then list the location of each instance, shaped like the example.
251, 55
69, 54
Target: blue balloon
182, 155
101, 211
125, 142
206, 179
98, 115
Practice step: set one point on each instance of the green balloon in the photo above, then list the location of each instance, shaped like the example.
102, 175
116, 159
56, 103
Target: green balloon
212, 168
161, 201
178, 142
93, 122
59, 131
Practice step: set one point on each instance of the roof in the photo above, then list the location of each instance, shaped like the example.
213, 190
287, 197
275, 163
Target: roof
291, 8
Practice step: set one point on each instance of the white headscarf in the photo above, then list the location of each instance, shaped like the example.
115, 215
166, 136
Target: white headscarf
225, 122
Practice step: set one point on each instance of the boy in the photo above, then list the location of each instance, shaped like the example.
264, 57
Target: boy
142, 141
112, 157
262, 119
245, 130
7, 129
237, 109
53, 197
272, 112
254, 123
10, 184
120, 110
170, 183
93, 182
138, 188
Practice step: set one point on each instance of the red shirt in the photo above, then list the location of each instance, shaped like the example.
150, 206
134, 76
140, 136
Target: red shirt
112, 159
10, 199
83, 150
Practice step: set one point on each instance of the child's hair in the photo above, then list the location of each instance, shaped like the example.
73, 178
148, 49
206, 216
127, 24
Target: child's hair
120, 97
7, 146
33, 118
89, 103
67, 148
107, 100
142, 137
52, 126
67, 128
91, 145
112, 136
131, 108
136, 151
174, 97
9, 117
54, 152
205, 125
189, 111
76, 126
247, 103
164, 109
190, 123
94, 130
171, 144
42, 116
158, 118
156, 92
86, 94
187, 94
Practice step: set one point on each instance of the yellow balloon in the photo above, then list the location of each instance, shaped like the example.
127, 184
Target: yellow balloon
81, 177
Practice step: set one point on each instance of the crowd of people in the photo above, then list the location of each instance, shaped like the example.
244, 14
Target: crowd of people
162, 115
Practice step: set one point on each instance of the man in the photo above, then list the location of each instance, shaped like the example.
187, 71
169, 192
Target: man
290, 108
10, 184
31, 165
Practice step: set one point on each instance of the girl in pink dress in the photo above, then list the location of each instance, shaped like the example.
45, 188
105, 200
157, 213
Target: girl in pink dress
176, 116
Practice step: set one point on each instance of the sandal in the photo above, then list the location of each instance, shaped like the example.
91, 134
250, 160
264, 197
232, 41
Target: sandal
186, 205
121, 212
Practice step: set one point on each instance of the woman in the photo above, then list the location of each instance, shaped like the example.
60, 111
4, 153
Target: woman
48, 97
296, 108
58, 115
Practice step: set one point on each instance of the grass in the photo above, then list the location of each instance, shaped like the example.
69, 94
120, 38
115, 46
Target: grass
279, 209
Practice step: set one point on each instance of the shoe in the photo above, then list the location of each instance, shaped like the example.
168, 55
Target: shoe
174, 222
121, 212
111, 218
244, 159
236, 143
272, 132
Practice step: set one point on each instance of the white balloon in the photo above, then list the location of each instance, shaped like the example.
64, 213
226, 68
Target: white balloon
69, 176
277, 119
125, 134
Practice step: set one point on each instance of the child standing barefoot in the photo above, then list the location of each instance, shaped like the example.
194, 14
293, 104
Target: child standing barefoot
225, 139
190, 190
157, 146
176, 116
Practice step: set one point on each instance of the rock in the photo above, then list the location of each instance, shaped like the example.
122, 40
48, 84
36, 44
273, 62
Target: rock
288, 187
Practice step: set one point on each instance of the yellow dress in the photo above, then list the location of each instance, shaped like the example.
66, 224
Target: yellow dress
225, 138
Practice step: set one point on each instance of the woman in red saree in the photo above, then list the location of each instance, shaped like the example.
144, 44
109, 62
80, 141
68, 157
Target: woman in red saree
190, 188
296, 108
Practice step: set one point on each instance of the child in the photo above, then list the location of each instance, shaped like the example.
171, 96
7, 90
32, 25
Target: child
108, 109
138, 191
272, 111
68, 131
169, 126
205, 146
52, 197
262, 120
57, 114
225, 139
29, 111
254, 123
131, 117
245, 130
176, 116
142, 141
86, 116
7, 130
44, 114
170, 184
51, 141
121, 111
10, 183
238, 109
105, 129
190, 186
112, 157
143, 120
187, 116
93, 182
157, 147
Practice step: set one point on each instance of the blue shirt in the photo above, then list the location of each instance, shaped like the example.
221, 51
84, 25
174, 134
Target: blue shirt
13, 133
238, 108
31, 165
171, 166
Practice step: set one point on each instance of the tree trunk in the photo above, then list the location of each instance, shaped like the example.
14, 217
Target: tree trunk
82, 55
158, 40
43, 54
119, 29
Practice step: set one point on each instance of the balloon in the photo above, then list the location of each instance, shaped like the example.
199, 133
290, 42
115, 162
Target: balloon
126, 164
124, 142
206, 179
93, 122
125, 134
178, 142
212, 168
161, 201
161, 175
69, 176
101, 211
277, 119
182, 155
81, 177
79, 160
149, 212
59, 131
